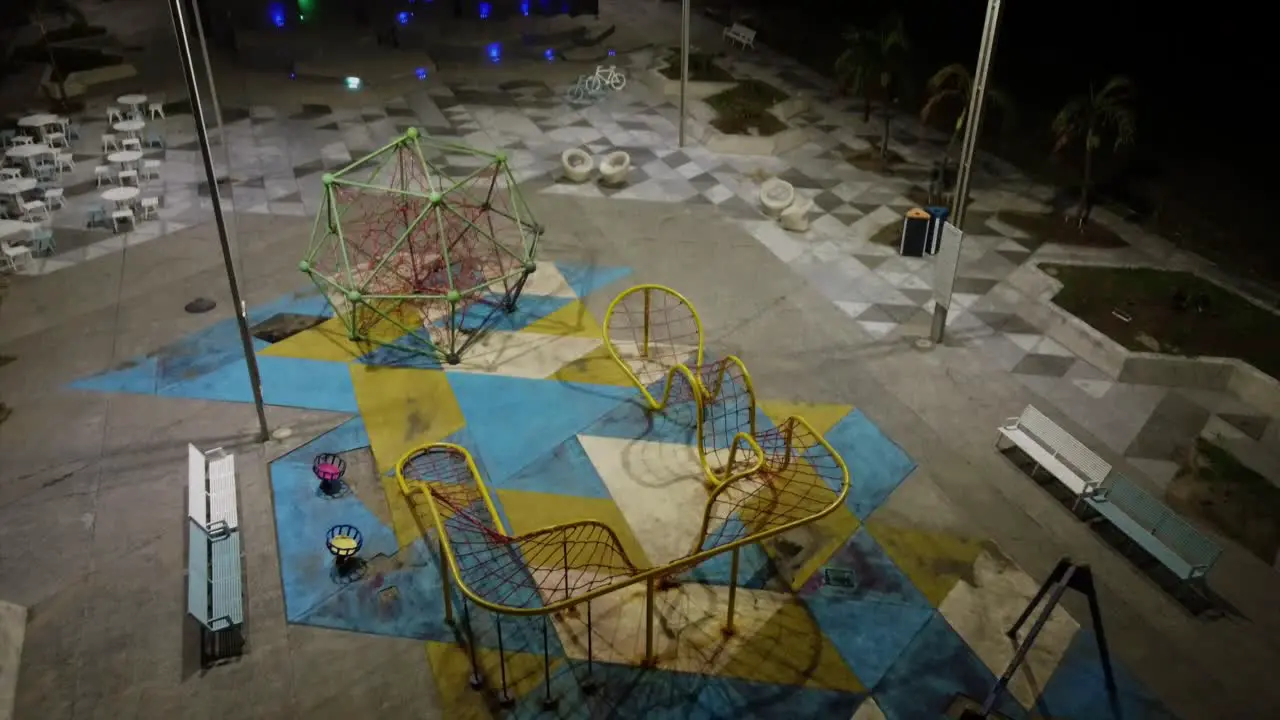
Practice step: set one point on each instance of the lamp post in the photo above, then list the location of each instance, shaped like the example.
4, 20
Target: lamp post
206, 153
973, 123
684, 64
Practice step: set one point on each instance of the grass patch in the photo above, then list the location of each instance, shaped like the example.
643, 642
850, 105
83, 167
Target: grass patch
744, 109
702, 67
1171, 312
1052, 228
68, 59
1232, 498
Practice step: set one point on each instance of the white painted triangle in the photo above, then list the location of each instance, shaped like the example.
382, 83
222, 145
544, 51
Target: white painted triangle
877, 330
1093, 388
964, 300
852, 309
868, 710
1025, 341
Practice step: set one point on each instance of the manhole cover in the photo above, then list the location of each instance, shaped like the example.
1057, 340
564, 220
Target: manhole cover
282, 326
200, 305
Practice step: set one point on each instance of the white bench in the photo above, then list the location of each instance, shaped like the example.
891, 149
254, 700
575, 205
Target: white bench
1054, 449
211, 500
215, 590
741, 34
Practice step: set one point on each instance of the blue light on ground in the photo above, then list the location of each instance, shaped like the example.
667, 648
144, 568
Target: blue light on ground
276, 11
421, 73
403, 17
549, 54
485, 9
495, 51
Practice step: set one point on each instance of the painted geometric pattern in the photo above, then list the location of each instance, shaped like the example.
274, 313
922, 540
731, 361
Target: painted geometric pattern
888, 621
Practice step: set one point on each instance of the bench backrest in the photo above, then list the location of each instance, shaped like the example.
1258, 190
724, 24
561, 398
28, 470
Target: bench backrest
1167, 526
226, 596
1064, 445
211, 489
197, 489
741, 31
198, 573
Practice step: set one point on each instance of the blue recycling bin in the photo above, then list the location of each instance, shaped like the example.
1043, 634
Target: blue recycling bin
933, 236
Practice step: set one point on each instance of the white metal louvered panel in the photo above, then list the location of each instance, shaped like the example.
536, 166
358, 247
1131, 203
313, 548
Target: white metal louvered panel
222, 491
197, 492
227, 595
198, 573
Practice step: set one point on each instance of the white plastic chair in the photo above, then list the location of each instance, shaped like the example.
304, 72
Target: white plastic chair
156, 110
53, 197
30, 210
22, 140
119, 216
109, 142
132, 143
10, 173
114, 115
66, 161
103, 172
151, 169
126, 175
15, 257
149, 207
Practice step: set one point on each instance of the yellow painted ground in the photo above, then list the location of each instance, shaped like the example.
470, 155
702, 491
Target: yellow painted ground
821, 417
933, 561
530, 511
404, 408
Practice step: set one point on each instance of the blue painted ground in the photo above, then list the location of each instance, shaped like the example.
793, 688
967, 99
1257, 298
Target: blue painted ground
625, 692
877, 466
1078, 688
866, 606
523, 418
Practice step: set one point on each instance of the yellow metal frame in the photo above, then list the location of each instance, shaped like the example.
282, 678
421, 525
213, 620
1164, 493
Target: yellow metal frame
651, 575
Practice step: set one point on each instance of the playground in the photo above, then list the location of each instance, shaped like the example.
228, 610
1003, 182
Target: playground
585, 512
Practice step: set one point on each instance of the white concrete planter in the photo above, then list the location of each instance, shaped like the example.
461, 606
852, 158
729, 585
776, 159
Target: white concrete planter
697, 90
1207, 373
77, 83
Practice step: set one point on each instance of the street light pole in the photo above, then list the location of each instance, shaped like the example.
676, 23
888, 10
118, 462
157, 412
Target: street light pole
973, 124
206, 153
684, 64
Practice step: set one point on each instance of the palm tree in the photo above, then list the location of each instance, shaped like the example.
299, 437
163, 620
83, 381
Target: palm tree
17, 13
872, 61
1091, 117
949, 91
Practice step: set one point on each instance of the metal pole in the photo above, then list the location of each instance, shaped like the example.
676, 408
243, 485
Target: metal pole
202, 133
973, 122
684, 64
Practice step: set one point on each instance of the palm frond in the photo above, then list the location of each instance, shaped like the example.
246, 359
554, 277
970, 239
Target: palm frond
936, 99
955, 77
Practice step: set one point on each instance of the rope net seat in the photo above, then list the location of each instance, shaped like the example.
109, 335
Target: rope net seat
413, 256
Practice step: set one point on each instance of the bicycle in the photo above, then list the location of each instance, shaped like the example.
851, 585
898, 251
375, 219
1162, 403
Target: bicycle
584, 91
609, 77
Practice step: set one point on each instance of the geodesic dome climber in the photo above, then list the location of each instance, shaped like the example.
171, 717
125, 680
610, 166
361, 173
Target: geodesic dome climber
414, 258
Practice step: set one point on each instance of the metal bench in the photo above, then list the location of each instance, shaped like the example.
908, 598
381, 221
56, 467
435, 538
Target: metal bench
1170, 539
741, 34
1054, 449
215, 590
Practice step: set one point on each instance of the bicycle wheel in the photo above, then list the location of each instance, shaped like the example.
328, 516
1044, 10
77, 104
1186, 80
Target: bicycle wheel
593, 84
577, 93
617, 80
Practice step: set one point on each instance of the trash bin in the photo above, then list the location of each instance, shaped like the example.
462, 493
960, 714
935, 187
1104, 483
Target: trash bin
937, 218
915, 233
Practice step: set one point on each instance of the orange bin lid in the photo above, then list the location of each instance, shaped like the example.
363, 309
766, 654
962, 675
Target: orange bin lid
917, 214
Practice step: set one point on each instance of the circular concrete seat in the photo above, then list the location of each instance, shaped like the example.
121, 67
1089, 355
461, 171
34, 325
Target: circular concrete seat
796, 217
776, 195
577, 164
614, 167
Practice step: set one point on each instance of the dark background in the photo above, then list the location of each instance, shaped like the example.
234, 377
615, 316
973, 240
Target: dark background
1204, 148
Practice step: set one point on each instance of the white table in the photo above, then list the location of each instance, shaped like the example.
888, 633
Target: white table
13, 227
38, 120
129, 127
120, 195
133, 100
17, 186
124, 157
